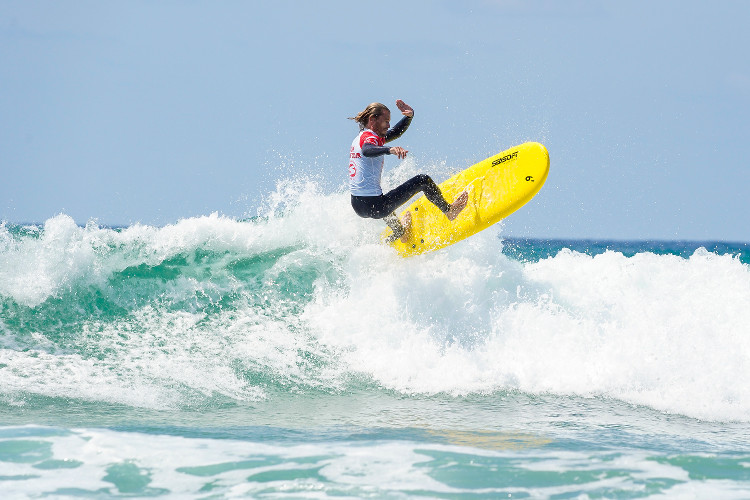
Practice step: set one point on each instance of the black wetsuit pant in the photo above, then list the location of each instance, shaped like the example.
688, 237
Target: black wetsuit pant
382, 207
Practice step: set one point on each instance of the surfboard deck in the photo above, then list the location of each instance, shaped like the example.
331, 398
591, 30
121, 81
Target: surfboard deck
497, 186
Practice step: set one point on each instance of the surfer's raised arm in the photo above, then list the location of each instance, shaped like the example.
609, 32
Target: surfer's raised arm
366, 160
402, 125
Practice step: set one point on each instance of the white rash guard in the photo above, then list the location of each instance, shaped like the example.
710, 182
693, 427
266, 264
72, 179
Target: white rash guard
365, 172
366, 159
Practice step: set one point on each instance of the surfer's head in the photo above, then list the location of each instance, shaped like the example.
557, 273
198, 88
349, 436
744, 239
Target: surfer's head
373, 116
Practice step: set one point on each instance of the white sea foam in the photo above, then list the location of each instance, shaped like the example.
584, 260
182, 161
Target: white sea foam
658, 330
662, 331
85, 462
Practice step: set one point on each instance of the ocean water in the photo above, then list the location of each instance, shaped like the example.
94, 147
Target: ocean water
290, 355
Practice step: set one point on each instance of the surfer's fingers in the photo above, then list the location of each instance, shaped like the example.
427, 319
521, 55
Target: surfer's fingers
403, 107
399, 151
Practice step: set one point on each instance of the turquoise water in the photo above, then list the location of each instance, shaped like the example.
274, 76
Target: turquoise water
290, 355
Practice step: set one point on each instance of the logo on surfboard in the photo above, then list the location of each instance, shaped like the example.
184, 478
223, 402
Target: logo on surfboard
505, 158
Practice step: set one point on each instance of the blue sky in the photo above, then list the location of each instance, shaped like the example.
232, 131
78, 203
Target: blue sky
150, 112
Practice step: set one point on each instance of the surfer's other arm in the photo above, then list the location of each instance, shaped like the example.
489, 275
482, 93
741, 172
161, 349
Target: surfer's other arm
371, 150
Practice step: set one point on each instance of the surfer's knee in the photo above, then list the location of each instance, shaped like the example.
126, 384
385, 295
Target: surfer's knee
424, 180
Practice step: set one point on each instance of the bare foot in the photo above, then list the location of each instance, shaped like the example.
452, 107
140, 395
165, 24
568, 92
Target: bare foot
458, 205
406, 222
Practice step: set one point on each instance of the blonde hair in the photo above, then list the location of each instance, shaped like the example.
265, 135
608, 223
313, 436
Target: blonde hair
374, 109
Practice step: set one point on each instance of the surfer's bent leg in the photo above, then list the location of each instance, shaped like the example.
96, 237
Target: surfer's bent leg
431, 191
379, 207
383, 206
422, 182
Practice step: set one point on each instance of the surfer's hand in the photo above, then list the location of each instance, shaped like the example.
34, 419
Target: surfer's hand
398, 151
404, 108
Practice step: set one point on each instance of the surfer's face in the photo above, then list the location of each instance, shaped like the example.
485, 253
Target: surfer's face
382, 123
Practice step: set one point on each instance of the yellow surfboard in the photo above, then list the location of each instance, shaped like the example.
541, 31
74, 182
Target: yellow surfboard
497, 186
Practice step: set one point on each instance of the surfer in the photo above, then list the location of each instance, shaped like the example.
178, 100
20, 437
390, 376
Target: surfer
366, 161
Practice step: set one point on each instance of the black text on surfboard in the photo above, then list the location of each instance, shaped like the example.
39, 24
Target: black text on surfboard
505, 158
